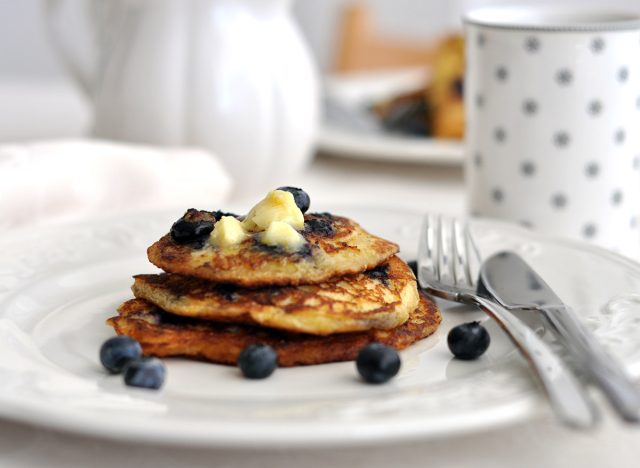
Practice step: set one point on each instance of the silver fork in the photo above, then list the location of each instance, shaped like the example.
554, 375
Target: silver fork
446, 269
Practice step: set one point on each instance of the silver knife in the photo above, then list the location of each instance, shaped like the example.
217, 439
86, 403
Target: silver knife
508, 279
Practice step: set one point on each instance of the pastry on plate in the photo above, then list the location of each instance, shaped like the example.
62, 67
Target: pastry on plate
436, 110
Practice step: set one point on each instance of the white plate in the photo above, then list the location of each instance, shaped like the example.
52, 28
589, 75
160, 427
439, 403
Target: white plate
58, 286
344, 137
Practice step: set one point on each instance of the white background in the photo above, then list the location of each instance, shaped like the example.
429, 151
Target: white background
25, 52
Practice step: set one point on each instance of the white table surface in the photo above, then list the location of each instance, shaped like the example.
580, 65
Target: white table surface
535, 443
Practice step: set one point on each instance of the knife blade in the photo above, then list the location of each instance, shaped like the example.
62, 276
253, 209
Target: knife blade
509, 280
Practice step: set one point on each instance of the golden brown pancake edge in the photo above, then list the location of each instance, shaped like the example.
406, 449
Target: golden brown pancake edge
163, 335
348, 249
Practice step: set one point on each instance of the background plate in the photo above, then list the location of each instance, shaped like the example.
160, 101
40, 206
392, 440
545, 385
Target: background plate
57, 287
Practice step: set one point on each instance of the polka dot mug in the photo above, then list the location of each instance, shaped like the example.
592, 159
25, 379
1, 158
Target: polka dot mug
552, 101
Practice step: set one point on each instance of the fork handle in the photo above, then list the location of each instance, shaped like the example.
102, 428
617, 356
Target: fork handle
566, 394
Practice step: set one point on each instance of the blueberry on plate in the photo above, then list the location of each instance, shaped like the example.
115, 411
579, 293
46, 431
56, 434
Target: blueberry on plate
145, 373
300, 196
377, 363
468, 340
117, 352
183, 231
258, 361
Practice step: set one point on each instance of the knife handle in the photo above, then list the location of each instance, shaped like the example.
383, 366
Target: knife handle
566, 394
605, 371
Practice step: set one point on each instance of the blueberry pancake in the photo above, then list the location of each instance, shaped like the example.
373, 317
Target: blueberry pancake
322, 246
381, 298
163, 335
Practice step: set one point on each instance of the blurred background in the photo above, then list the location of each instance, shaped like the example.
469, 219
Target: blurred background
25, 51
34, 85
268, 110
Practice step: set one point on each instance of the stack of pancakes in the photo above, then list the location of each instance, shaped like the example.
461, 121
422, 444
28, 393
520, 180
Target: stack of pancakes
345, 289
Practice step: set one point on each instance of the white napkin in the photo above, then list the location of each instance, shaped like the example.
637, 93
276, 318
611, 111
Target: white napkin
64, 181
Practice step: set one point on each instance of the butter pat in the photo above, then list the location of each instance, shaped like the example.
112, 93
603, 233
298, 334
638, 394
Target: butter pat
283, 235
228, 231
277, 206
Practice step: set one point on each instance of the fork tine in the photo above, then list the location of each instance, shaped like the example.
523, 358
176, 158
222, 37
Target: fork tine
427, 251
445, 258
474, 259
470, 254
461, 252
437, 233
436, 241
443, 253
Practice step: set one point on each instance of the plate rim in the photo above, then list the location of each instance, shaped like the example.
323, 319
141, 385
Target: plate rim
232, 434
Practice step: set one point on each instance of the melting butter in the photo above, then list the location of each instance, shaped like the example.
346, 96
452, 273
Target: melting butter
228, 231
283, 235
277, 206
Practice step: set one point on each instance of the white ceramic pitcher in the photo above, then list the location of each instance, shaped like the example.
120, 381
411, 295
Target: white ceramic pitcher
233, 76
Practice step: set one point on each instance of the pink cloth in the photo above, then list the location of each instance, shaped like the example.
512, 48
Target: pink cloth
66, 181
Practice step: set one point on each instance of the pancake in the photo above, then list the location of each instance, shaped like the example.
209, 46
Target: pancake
381, 298
164, 335
336, 246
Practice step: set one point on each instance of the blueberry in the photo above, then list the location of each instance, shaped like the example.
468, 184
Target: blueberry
468, 340
300, 196
380, 273
145, 373
228, 291
219, 214
183, 231
320, 227
258, 361
117, 352
413, 264
377, 363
